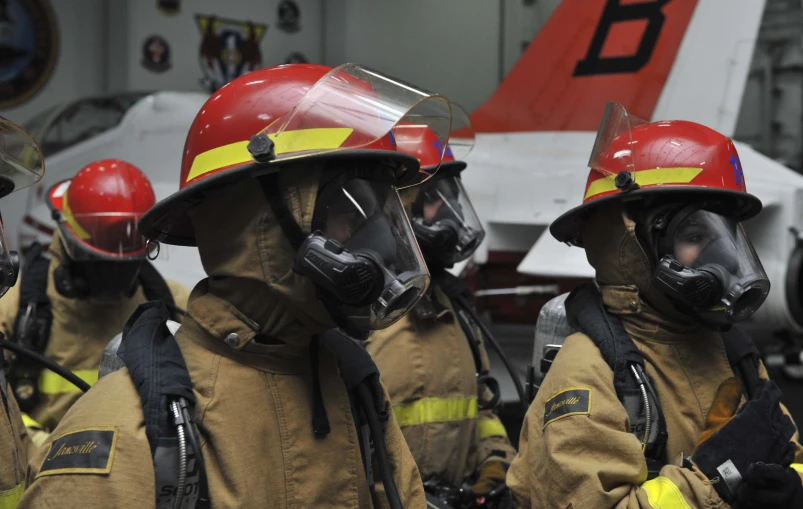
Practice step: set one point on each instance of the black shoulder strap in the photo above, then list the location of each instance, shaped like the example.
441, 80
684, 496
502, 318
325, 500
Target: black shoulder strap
743, 357
586, 312
34, 317
160, 375
155, 287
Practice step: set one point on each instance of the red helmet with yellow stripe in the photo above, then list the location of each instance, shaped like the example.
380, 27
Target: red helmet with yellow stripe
97, 211
668, 159
287, 116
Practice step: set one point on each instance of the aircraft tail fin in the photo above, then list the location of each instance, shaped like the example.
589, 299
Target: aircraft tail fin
660, 58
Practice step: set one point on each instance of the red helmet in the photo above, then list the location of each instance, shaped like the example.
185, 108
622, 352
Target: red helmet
426, 146
673, 159
97, 211
285, 115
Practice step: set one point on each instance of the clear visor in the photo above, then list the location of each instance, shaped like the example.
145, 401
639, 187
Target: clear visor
21, 159
354, 107
444, 208
613, 147
368, 217
102, 236
462, 135
717, 244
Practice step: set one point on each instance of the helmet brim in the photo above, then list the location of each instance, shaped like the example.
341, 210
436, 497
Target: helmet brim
450, 169
737, 204
168, 221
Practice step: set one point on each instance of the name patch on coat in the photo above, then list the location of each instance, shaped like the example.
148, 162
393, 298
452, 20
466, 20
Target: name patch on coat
86, 451
574, 401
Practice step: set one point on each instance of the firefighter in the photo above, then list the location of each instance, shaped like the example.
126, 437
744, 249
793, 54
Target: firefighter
433, 361
660, 400
21, 165
69, 304
288, 189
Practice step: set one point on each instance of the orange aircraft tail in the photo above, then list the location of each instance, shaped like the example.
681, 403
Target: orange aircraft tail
588, 53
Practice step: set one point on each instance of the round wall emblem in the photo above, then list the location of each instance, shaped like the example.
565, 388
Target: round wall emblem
29, 47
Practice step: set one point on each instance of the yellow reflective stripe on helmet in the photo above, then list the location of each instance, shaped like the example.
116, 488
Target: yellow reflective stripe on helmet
491, 428
51, 383
798, 467
429, 410
67, 213
324, 138
30, 422
9, 499
646, 178
664, 494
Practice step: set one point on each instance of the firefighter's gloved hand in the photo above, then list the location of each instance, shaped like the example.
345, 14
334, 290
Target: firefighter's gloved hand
770, 486
492, 474
759, 432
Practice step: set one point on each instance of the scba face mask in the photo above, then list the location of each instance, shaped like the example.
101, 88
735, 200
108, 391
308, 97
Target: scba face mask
708, 263
444, 221
362, 253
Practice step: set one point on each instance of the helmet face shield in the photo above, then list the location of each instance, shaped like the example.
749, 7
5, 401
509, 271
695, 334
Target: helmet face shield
21, 160
718, 248
355, 107
378, 273
445, 222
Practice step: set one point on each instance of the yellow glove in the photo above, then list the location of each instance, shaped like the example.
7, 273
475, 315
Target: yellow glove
492, 474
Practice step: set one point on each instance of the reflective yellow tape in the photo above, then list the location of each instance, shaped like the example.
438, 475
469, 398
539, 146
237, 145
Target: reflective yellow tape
646, 178
798, 467
429, 410
67, 213
51, 383
664, 494
325, 138
30, 422
491, 428
9, 499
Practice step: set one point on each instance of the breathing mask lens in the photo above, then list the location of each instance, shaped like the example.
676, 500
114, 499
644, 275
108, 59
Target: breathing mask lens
363, 252
444, 221
710, 264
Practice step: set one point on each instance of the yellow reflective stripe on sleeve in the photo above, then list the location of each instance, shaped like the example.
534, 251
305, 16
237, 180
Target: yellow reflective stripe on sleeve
51, 383
325, 138
491, 428
9, 499
664, 494
429, 410
798, 467
30, 422
646, 178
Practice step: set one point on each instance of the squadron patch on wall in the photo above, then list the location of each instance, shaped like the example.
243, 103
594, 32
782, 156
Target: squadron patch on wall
155, 54
573, 401
296, 58
29, 48
86, 451
289, 16
229, 49
169, 7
